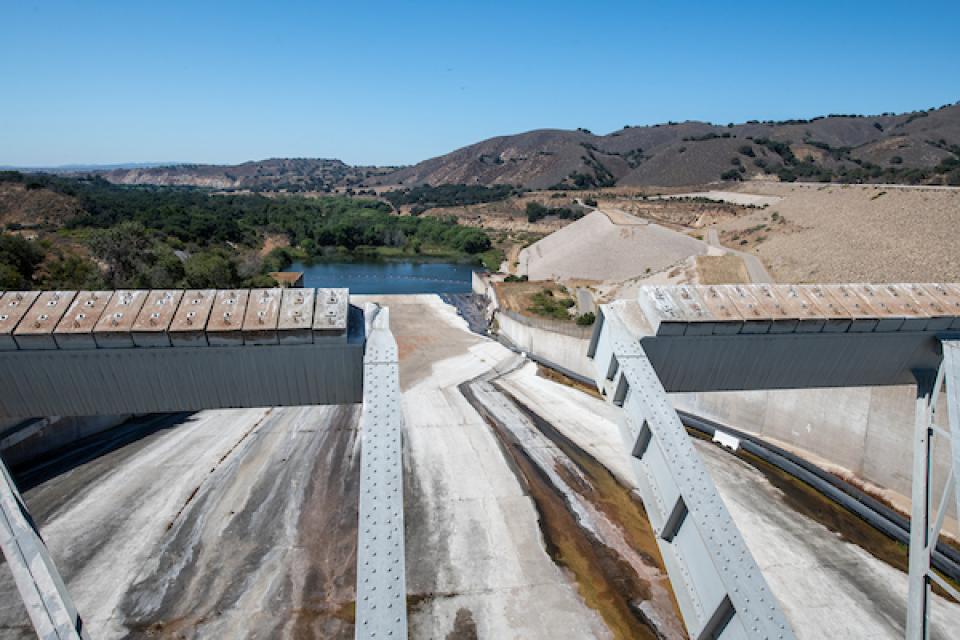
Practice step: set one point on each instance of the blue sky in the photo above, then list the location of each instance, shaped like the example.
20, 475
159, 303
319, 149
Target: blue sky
379, 83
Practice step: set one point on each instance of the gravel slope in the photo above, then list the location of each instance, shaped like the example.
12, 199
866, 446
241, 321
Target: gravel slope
856, 233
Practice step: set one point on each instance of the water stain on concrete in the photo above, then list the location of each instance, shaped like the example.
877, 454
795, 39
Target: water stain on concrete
464, 627
605, 580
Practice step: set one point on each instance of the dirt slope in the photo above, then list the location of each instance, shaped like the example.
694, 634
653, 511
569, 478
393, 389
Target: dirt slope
697, 152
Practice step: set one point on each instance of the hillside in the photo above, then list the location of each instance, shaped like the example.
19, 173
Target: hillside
287, 174
922, 147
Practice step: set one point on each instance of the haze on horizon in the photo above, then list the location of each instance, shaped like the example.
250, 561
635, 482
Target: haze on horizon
386, 84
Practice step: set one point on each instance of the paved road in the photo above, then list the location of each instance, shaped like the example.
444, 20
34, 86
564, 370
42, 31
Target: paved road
220, 524
755, 269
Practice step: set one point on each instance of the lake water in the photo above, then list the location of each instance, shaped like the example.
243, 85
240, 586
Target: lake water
389, 277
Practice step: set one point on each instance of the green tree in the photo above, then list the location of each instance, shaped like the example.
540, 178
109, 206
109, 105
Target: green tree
210, 269
19, 258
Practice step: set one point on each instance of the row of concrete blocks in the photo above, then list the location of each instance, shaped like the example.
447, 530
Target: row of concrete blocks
171, 318
788, 308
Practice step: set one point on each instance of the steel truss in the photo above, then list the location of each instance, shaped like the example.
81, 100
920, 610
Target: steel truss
720, 589
44, 595
927, 515
381, 576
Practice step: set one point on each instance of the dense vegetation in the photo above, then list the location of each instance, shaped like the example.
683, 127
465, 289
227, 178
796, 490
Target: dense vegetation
154, 237
551, 304
848, 168
424, 196
536, 211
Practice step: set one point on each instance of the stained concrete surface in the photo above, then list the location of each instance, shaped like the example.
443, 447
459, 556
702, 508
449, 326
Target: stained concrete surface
234, 523
473, 542
828, 587
242, 523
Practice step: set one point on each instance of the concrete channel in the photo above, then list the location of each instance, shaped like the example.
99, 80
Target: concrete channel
522, 519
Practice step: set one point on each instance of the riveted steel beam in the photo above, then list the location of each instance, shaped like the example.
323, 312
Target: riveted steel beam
720, 589
44, 595
381, 573
928, 512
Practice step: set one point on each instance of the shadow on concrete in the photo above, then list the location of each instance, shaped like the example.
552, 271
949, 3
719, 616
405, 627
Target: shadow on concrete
471, 307
49, 465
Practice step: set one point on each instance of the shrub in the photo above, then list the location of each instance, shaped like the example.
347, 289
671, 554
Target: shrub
586, 319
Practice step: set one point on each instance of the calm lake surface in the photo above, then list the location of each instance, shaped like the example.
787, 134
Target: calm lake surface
389, 277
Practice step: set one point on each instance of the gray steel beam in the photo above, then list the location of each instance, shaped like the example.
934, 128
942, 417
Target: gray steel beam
927, 514
719, 587
381, 573
918, 594
951, 371
44, 595
149, 380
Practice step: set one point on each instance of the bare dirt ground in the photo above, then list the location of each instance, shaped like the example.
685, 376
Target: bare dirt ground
22, 206
728, 269
273, 241
851, 233
814, 232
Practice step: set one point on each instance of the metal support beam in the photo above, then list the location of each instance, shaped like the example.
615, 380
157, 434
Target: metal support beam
927, 514
951, 373
381, 573
919, 587
719, 587
44, 595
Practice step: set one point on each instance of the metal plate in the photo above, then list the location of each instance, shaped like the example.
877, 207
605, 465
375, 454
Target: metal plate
755, 317
863, 315
225, 326
949, 296
35, 331
937, 303
330, 315
296, 316
783, 320
687, 298
801, 306
663, 314
188, 327
13, 306
150, 327
836, 318
113, 328
261, 317
727, 320
898, 309
75, 330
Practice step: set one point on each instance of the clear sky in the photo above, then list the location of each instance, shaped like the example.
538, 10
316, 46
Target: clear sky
391, 83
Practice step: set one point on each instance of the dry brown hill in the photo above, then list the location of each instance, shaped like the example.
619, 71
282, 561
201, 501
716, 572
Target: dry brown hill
918, 147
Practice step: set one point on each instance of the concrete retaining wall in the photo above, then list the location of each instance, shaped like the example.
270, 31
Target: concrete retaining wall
478, 283
570, 352
866, 431
43, 435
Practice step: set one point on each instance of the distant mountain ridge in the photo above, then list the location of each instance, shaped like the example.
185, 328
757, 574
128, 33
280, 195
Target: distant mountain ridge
274, 174
922, 146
